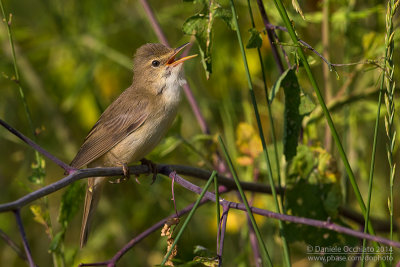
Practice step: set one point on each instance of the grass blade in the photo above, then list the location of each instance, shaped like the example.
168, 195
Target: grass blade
261, 133
253, 221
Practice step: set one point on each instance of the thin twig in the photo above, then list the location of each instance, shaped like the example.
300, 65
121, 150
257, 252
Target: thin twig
223, 180
253, 239
271, 37
154, 23
218, 212
225, 212
176, 239
173, 191
182, 169
227, 205
118, 171
331, 65
13, 245
23, 236
140, 169
326, 69
380, 224
16, 72
294, 219
142, 236
80, 174
35, 146
166, 170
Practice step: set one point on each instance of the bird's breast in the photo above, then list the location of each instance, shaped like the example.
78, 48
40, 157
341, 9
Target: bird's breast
143, 140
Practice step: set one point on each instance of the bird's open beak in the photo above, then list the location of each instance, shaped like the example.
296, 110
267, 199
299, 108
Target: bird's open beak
172, 62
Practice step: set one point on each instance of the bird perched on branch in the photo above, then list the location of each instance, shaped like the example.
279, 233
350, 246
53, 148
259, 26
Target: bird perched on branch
135, 122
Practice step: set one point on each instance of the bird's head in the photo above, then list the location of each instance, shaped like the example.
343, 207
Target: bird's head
156, 66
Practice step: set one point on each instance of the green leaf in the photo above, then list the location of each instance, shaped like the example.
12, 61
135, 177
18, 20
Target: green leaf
277, 85
296, 107
305, 199
255, 40
212, 262
302, 164
313, 191
292, 123
225, 15
332, 201
70, 203
41, 216
169, 144
306, 105
56, 242
205, 256
197, 26
200, 25
203, 252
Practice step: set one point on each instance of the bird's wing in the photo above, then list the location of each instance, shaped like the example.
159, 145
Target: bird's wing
111, 128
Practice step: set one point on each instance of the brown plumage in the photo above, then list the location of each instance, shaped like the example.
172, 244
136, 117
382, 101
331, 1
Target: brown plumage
134, 123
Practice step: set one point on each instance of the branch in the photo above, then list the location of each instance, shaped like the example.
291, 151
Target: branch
223, 180
224, 216
75, 175
168, 171
270, 27
271, 37
283, 217
35, 146
165, 169
13, 245
155, 227
23, 236
183, 170
79, 174
118, 171
379, 224
142, 236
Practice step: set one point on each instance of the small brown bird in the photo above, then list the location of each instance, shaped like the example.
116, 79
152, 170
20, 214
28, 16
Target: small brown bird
135, 122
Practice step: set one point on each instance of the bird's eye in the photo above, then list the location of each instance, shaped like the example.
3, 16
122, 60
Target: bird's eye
155, 63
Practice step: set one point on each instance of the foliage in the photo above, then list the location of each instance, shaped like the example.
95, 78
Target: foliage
313, 191
201, 26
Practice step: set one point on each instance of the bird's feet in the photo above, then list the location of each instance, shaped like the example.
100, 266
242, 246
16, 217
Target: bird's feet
152, 168
125, 170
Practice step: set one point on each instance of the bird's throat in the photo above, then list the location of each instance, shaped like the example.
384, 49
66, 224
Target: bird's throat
170, 88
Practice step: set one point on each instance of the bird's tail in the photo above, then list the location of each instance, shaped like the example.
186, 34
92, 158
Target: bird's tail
93, 193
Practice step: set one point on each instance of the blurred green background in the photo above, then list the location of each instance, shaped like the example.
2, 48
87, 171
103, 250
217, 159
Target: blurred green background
75, 57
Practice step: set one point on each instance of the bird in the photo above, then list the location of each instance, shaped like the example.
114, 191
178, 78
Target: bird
135, 122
